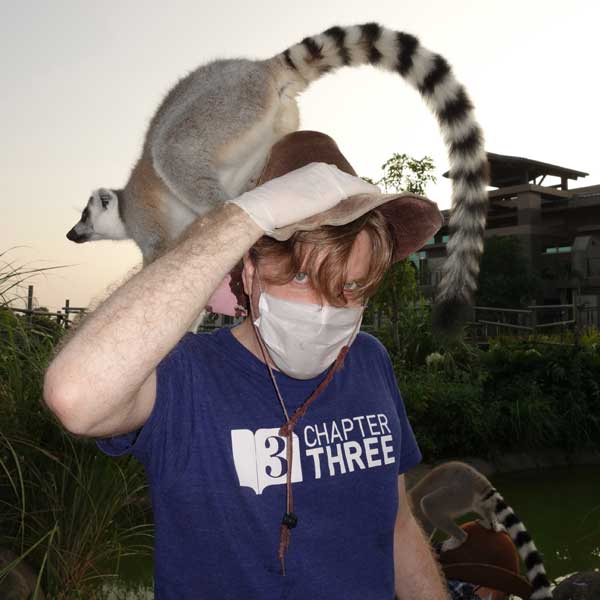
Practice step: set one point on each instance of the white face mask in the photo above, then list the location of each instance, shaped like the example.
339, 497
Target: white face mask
304, 339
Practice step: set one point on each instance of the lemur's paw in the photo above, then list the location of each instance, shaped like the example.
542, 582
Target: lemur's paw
487, 523
497, 526
491, 524
450, 544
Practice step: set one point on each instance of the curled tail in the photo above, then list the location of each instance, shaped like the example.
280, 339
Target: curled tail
432, 76
536, 573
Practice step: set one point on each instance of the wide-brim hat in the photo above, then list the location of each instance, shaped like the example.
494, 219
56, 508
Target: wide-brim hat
412, 219
487, 558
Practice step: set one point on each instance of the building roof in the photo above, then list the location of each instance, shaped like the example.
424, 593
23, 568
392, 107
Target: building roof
514, 170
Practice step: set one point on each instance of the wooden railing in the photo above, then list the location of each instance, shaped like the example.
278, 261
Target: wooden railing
62, 316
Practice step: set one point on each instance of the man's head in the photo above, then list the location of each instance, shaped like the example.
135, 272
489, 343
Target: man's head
308, 292
336, 266
410, 221
489, 560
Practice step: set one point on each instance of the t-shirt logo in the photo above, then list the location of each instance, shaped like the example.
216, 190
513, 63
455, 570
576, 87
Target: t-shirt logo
260, 458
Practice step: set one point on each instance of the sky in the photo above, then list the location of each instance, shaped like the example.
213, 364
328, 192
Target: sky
81, 80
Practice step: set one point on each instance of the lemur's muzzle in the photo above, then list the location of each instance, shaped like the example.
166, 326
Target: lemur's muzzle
76, 237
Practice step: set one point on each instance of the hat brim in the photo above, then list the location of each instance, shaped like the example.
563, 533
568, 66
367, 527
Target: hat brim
490, 576
413, 219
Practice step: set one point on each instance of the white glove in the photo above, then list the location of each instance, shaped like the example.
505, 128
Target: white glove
300, 194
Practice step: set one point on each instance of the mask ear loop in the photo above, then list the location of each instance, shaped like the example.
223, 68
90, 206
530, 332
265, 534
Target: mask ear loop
264, 352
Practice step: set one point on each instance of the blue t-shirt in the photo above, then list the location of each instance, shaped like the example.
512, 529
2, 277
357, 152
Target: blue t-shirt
217, 468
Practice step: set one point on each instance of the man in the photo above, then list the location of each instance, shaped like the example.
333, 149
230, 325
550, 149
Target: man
290, 421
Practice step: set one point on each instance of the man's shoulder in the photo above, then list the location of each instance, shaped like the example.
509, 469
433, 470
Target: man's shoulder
202, 342
367, 347
366, 342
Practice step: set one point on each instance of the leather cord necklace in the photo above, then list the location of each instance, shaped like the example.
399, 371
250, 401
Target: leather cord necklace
290, 520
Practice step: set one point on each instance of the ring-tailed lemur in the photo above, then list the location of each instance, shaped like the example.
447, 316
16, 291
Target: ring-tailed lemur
454, 489
211, 135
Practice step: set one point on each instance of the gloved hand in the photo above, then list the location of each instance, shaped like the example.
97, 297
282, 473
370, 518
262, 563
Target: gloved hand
300, 194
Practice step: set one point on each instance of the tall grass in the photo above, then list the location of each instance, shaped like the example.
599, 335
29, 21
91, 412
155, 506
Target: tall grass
67, 510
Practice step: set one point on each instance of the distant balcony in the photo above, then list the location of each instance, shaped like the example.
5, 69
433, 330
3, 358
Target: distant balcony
428, 279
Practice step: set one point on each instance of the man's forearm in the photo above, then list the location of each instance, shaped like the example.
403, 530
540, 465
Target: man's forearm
417, 574
117, 347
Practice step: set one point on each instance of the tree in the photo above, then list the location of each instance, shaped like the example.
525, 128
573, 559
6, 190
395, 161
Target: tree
405, 173
399, 286
505, 279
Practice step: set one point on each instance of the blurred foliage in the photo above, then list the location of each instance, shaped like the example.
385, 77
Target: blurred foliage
399, 286
520, 394
69, 511
505, 279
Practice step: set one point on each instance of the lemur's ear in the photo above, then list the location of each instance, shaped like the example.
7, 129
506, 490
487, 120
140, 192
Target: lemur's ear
105, 197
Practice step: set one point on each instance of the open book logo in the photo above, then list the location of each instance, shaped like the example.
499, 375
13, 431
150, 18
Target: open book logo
260, 458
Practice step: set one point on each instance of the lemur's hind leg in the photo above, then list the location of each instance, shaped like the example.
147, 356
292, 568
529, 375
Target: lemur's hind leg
210, 150
436, 508
187, 167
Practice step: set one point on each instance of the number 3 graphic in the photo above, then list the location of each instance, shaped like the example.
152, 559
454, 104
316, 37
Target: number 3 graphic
279, 445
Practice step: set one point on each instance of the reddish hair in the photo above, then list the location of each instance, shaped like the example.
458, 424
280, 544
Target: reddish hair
300, 252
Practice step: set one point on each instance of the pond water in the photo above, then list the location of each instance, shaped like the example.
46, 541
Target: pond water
559, 506
561, 509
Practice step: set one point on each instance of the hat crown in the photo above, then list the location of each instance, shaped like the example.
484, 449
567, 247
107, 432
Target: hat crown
301, 148
484, 546
487, 558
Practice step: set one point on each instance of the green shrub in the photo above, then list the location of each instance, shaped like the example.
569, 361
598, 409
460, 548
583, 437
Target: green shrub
447, 415
70, 511
550, 392
519, 395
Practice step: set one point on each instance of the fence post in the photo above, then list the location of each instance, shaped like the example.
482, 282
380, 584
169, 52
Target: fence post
67, 313
30, 302
533, 317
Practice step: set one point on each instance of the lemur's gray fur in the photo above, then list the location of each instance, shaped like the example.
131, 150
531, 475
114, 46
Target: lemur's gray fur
454, 489
212, 133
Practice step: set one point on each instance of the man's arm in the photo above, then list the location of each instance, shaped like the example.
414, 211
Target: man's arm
93, 382
416, 573
103, 380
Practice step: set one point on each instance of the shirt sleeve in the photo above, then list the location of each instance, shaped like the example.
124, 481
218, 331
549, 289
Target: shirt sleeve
162, 443
410, 453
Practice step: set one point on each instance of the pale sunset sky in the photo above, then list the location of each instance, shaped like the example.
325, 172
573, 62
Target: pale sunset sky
81, 80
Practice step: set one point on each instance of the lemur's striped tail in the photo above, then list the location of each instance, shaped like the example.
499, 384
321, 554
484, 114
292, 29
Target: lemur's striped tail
431, 75
536, 573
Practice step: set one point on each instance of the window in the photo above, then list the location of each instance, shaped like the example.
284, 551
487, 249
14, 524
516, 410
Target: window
417, 258
557, 249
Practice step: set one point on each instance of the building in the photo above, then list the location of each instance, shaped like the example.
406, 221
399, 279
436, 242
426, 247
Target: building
559, 229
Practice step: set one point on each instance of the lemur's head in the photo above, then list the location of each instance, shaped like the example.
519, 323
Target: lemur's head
100, 219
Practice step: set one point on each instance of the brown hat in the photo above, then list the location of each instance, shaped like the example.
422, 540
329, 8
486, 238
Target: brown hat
488, 558
412, 219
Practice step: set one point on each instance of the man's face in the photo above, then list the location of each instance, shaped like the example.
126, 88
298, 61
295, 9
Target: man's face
299, 288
